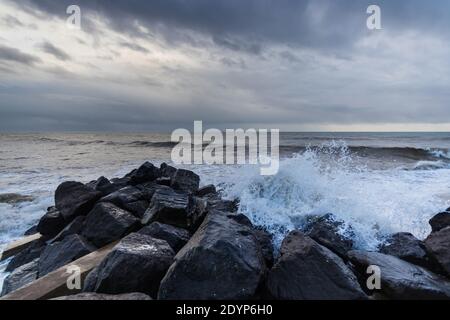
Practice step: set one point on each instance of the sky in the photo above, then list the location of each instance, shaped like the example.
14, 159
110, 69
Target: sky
158, 65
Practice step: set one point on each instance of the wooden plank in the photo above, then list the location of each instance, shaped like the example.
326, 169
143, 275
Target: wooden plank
19, 245
54, 284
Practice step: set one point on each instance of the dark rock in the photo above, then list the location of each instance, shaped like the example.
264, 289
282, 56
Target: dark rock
90, 281
27, 255
308, 271
175, 237
222, 261
407, 247
107, 223
73, 199
206, 190
197, 213
51, 223
186, 181
167, 171
223, 205
129, 198
438, 246
20, 277
136, 264
331, 233
98, 296
440, 221
170, 207
104, 186
265, 241
32, 230
74, 227
402, 280
58, 254
145, 173
164, 181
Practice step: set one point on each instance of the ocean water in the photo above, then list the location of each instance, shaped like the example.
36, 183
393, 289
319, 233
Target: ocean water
378, 183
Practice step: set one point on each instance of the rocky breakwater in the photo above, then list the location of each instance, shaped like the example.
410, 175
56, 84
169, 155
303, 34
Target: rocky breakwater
179, 241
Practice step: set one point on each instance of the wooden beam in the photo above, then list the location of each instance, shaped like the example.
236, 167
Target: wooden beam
19, 245
54, 284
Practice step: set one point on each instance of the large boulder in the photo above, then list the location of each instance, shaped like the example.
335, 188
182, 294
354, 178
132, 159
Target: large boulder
130, 198
331, 233
145, 173
222, 261
438, 245
89, 296
264, 239
32, 252
175, 237
308, 271
407, 247
51, 223
136, 264
73, 199
402, 280
58, 254
440, 221
20, 277
170, 207
186, 181
107, 223
74, 227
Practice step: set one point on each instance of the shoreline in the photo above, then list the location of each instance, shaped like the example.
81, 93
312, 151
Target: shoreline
203, 248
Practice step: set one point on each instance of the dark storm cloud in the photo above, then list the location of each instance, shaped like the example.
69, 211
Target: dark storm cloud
249, 25
9, 54
58, 53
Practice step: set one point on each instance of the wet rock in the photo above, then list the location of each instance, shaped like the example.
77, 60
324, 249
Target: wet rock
175, 237
400, 279
223, 205
222, 261
32, 230
104, 186
206, 190
169, 207
58, 254
73, 199
186, 181
51, 223
164, 181
167, 171
20, 277
308, 271
406, 247
107, 223
331, 233
98, 296
136, 264
440, 221
145, 173
438, 246
26, 256
264, 239
197, 213
130, 198
74, 227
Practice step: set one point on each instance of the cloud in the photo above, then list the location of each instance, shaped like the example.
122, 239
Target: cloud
58, 53
9, 54
133, 46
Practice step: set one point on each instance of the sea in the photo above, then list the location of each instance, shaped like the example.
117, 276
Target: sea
377, 183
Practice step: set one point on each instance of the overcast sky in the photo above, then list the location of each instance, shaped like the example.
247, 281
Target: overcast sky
307, 65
